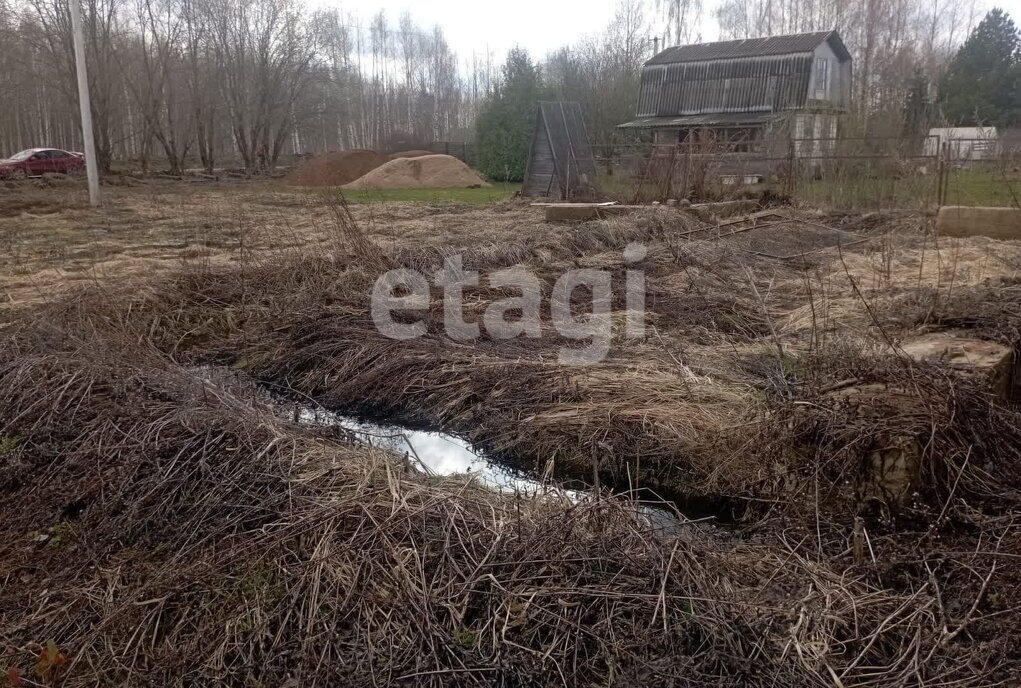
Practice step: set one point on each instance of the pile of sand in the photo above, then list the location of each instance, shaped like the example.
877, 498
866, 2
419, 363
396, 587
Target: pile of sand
424, 172
336, 169
411, 154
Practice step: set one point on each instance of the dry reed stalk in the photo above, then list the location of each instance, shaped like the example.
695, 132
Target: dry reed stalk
211, 540
165, 525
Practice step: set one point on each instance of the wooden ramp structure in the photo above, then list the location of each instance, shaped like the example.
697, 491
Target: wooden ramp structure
560, 163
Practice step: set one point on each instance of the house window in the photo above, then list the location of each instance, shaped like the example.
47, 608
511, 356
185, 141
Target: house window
822, 77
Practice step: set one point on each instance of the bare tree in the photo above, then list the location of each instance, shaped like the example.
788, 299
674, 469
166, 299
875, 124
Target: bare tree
682, 20
50, 37
211, 82
264, 52
891, 42
158, 82
602, 72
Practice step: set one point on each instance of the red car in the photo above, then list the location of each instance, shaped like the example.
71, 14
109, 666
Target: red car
37, 161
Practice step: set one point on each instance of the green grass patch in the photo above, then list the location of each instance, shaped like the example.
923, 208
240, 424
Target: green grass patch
972, 187
989, 187
499, 191
866, 192
621, 187
60, 535
998, 186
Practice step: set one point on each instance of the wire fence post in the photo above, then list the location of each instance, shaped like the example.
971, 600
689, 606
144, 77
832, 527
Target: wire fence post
944, 173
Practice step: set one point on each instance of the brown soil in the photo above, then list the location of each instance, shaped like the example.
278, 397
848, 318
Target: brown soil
425, 172
336, 169
411, 154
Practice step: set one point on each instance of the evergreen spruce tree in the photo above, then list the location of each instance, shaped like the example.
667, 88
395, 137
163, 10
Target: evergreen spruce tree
505, 124
981, 85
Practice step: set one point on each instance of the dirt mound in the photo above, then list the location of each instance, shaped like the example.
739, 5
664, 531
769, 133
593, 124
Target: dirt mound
411, 154
336, 169
424, 172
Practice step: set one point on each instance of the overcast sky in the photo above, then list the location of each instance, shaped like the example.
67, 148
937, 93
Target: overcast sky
537, 25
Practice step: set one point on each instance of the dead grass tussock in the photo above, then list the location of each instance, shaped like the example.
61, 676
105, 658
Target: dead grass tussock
847, 408
205, 539
308, 331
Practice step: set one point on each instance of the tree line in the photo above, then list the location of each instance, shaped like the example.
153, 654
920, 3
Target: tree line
238, 82
225, 81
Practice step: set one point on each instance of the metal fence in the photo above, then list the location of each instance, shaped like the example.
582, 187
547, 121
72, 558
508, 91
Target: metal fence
870, 172
978, 173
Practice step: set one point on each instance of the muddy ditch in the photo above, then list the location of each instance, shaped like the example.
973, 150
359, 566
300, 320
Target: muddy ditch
215, 521
213, 527
439, 453
714, 417
433, 453
436, 454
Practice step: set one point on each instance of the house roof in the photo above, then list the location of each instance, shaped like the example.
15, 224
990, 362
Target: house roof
757, 75
762, 84
751, 47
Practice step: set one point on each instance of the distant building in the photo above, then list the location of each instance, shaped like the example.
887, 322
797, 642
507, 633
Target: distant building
963, 144
755, 94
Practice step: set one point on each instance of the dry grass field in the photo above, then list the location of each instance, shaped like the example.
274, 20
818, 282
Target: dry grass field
51, 239
834, 432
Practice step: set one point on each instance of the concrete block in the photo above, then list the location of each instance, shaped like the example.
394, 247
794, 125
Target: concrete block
964, 221
581, 212
893, 466
892, 462
710, 212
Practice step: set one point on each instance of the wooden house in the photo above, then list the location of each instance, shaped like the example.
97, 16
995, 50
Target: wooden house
760, 94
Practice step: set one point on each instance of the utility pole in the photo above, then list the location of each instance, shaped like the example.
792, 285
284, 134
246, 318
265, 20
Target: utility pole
85, 103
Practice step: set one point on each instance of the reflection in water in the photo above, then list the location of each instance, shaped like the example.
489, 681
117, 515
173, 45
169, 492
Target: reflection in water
438, 453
